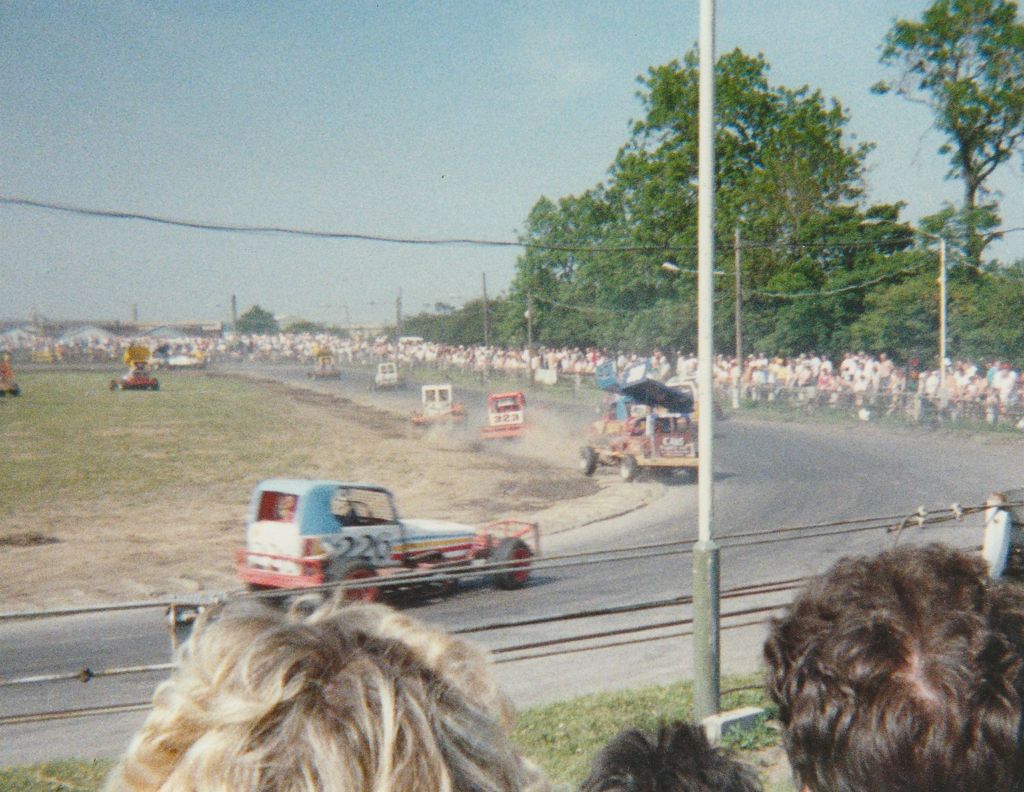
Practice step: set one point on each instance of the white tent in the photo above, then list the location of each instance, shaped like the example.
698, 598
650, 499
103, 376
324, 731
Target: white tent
16, 336
87, 334
165, 333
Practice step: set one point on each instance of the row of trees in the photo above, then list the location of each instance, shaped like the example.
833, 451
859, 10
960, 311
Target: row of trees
821, 268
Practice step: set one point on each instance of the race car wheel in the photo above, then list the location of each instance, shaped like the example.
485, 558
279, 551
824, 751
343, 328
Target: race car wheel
114, 385
155, 386
354, 570
515, 575
588, 460
627, 468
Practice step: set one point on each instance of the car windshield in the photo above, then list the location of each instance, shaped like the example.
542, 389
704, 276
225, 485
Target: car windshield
359, 506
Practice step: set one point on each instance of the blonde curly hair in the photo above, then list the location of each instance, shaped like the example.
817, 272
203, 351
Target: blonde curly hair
351, 697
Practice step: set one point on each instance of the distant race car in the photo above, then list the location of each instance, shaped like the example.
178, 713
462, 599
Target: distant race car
138, 376
8, 387
438, 407
647, 426
505, 416
386, 377
303, 533
165, 359
325, 364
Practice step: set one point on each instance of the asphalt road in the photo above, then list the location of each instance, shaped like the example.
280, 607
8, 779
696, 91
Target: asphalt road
768, 476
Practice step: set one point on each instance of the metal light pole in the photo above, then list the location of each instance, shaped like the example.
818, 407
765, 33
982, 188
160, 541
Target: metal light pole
529, 337
705, 553
739, 317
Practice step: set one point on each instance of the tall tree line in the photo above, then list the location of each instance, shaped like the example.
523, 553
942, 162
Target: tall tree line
821, 268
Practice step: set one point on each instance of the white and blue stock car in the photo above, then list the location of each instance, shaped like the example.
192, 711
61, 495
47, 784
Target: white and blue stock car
302, 533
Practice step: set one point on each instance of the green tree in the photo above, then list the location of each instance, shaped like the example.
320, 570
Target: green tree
965, 61
456, 326
306, 326
785, 174
257, 320
987, 314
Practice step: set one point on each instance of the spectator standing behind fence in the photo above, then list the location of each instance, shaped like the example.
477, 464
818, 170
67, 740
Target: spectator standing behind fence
678, 759
902, 672
353, 698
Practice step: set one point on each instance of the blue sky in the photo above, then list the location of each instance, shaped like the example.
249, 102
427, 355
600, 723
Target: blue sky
407, 119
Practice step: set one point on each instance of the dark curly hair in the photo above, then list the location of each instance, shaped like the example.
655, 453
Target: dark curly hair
901, 672
679, 759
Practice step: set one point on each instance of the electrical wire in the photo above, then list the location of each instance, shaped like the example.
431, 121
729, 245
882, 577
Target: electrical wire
205, 225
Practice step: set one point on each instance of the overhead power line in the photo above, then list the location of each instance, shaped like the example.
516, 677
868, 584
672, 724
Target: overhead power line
202, 225
207, 225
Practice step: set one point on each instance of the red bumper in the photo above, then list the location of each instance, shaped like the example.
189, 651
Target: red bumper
253, 568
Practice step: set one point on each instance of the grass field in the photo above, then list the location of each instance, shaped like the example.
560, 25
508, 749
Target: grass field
561, 737
68, 435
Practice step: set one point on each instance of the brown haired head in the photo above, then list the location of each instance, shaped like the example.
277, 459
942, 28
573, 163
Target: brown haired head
901, 672
678, 759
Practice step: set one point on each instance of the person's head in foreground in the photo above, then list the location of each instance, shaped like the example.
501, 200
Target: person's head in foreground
353, 698
678, 759
901, 672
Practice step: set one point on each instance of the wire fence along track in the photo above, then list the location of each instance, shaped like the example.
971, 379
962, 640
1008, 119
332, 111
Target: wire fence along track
562, 645
920, 518
912, 406
503, 656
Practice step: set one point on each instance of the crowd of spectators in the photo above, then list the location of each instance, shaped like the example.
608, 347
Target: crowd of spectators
874, 385
864, 384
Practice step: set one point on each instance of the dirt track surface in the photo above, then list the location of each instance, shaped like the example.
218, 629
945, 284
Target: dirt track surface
182, 543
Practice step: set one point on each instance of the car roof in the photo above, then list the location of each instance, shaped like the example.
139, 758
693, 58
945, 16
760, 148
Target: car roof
302, 487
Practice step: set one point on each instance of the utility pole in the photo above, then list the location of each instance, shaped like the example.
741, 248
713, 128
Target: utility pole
234, 313
706, 670
398, 324
942, 317
739, 317
487, 340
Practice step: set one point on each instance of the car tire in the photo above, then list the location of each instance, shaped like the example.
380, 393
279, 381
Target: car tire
155, 386
350, 570
627, 467
512, 577
113, 385
588, 460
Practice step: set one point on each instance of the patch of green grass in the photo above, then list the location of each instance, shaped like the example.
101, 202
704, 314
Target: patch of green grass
69, 438
562, 737
69, 776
